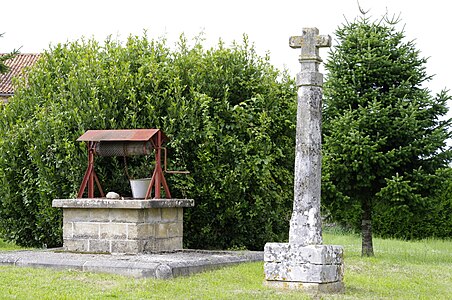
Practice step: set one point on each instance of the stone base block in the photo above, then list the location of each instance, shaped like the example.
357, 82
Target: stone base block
314, 268
309, 288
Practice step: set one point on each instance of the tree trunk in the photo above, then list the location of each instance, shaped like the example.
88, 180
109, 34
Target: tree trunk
366, 228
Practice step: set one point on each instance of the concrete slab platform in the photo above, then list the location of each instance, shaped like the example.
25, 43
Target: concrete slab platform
164, 265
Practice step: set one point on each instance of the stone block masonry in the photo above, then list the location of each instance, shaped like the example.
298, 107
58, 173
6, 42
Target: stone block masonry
313, 268
100, 225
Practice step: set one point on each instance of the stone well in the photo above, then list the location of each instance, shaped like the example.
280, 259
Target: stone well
103, 225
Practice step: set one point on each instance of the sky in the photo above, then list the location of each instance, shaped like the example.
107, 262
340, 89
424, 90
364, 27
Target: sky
36, 25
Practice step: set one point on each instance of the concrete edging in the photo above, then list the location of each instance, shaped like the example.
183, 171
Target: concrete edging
159, 265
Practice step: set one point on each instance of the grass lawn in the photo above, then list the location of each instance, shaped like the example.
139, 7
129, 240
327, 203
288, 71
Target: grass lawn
8, 246
400, 270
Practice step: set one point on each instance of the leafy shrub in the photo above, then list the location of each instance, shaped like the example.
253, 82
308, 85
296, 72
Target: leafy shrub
229, 114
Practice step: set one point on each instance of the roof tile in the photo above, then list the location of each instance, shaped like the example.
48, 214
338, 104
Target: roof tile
16, 65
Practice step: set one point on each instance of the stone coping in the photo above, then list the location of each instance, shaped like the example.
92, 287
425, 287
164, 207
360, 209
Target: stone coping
164, 265
122, 204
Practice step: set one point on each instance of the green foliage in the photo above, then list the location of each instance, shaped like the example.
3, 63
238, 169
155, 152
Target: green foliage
384, 134
228, 113
4, 68
403, 213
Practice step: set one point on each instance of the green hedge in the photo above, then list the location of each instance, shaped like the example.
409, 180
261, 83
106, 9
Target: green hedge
229, 113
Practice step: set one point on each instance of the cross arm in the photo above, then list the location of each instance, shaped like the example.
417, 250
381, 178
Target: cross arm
320, 41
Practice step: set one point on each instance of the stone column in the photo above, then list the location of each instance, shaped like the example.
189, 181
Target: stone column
305, 224
304, 262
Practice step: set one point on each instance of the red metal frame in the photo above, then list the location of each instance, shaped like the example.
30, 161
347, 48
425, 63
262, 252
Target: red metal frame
90, 175
158, 179
92, 137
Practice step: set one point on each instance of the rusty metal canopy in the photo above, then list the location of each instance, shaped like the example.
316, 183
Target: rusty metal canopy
135, 135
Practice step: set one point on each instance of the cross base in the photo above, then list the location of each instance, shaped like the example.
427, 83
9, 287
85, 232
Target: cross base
313, 268
308, 288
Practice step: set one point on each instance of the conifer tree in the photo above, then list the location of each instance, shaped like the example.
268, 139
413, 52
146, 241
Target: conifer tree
384, 133
3, 58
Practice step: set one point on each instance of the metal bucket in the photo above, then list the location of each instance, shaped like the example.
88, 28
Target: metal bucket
139, 187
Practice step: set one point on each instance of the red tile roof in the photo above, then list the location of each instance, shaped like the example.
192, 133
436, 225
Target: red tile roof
15, 64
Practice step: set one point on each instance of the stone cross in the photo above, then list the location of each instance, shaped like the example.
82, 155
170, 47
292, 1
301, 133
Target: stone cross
305, 224
304, 263
310, 42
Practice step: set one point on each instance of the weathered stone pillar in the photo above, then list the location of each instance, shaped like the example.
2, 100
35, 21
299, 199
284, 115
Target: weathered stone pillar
304, 262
